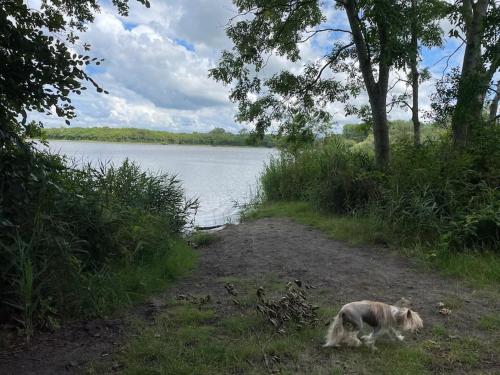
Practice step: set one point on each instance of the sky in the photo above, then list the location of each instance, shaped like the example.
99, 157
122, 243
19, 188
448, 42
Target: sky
156, 64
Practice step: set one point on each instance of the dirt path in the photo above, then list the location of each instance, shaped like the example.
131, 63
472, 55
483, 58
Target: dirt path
282, 250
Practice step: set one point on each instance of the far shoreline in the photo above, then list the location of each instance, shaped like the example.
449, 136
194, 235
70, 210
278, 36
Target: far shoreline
216, 137
153, 143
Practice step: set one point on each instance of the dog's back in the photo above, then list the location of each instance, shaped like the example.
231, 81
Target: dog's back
375, 314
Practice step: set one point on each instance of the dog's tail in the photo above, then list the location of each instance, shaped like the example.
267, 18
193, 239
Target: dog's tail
335, 331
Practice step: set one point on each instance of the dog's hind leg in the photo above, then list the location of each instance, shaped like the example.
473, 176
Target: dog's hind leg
335, 332
366, 338
356, 322
352, 339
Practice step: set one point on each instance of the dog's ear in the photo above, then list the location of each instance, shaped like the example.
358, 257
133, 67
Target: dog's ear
408, 314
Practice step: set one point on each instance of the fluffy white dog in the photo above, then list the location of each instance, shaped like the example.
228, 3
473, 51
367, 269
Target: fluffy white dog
383, 318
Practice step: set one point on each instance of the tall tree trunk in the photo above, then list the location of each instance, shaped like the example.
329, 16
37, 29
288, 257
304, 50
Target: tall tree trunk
494, 105
377, 91
473, 80
414, 74
380, 129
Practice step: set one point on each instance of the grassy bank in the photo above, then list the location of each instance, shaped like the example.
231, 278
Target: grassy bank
80, 243
482, 269
217, 137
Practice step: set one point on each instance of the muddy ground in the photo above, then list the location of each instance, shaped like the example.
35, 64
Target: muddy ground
282, 250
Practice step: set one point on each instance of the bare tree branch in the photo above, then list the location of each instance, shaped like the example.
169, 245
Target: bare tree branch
394, 102
315, 32
330, 61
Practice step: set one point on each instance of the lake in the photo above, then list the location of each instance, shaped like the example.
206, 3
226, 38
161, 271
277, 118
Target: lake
220, 177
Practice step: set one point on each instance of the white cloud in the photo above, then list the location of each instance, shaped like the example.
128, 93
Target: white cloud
157, 61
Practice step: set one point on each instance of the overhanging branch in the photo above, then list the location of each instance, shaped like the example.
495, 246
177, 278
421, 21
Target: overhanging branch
330, 61
315, 32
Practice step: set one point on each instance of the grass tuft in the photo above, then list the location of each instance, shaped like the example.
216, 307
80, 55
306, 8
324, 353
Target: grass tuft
490, 323
201, 239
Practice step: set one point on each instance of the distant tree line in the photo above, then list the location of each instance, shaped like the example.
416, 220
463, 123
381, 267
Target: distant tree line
216, 137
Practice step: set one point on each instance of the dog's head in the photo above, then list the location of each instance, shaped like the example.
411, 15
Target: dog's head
409, 320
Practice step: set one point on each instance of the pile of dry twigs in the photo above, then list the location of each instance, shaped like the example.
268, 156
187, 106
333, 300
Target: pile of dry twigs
290, 307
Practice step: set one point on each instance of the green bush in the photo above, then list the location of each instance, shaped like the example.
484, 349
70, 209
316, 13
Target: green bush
330, 175
399, 130
356, 132
434, 190
62, 228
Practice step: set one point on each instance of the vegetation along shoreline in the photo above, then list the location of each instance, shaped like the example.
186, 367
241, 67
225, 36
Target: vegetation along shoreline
216, 137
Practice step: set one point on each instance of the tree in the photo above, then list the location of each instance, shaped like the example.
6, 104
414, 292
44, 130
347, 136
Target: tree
423, 29
372, 47
217, 131
38, 66
494, 105
476, 23
414, 74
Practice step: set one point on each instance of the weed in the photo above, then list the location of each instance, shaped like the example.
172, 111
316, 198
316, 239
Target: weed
490, 323
201, 239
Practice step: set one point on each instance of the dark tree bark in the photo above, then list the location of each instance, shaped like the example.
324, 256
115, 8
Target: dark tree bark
414, 74
474, 78
494, 105
377, 90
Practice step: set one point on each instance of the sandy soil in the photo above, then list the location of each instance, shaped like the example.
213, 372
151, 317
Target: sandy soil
284, 250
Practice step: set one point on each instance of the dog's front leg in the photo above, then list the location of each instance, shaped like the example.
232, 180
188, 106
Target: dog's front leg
372, 337
370, 342
367, 338
398, 335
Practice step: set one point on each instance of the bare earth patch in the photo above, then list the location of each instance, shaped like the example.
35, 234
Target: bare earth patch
460, 331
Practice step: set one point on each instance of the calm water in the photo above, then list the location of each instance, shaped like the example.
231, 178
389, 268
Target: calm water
218, 176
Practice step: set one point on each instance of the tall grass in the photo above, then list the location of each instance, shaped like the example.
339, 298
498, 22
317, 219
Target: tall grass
330, 175
80, 242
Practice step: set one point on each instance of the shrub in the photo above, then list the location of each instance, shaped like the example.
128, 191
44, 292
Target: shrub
356, 132
478, 228
330, 175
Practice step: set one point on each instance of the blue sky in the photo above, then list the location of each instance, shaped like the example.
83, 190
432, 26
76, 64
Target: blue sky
157, 61
185, 44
